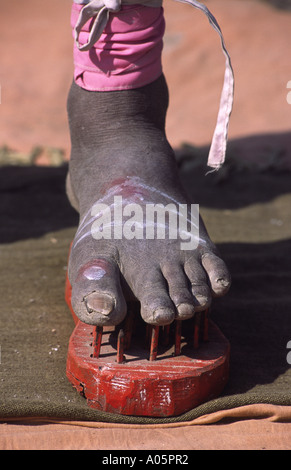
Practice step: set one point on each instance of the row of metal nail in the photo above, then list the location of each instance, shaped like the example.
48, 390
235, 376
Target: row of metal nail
152, 335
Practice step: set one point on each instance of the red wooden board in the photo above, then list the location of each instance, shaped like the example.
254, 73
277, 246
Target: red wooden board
167, 386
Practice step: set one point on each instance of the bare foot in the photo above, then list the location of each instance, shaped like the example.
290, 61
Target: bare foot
121, 161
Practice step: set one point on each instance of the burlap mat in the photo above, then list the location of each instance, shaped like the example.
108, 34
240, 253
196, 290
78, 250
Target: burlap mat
247, 212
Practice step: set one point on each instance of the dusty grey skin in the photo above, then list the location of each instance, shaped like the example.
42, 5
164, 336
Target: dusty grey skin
119, 147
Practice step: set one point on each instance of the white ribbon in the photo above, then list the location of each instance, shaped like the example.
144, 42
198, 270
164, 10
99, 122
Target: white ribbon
100, 9
217, 151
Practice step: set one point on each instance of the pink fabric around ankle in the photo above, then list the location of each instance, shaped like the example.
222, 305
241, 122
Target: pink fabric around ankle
128, 53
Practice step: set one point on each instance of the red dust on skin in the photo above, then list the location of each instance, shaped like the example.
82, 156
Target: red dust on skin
129, 188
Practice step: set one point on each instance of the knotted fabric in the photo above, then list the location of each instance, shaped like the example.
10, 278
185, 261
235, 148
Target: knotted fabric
100, 10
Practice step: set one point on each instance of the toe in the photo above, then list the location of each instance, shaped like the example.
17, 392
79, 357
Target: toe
179, 291
202, 296
199, 285
97, 297
156, 306
218, 274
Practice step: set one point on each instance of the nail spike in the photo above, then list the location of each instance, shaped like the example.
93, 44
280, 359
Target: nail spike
197, 318
205, 326
154, 343
120, 347
178, 333
97, 340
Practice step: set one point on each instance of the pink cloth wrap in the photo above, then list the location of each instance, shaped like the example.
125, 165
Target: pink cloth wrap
128, 53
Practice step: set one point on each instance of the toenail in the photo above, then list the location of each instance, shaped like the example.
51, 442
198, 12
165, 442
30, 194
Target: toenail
100, 303
202, 300
163, 316
185, 311
223, 282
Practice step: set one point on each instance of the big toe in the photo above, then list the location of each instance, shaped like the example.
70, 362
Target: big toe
97, 297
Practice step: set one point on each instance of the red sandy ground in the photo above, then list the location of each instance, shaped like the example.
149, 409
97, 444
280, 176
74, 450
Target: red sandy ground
36, 72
